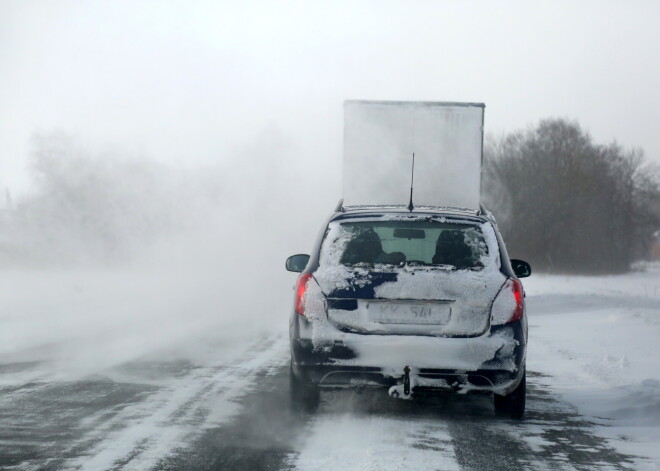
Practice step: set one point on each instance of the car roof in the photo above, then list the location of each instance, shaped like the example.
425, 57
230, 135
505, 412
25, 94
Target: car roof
350, 212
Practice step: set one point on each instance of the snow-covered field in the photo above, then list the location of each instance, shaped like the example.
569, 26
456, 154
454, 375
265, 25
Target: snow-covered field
119, 370
598, 340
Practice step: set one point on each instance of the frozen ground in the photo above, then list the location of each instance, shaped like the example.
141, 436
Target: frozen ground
133, 372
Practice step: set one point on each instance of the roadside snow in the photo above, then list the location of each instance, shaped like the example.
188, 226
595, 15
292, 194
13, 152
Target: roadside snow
598, 338
643, 285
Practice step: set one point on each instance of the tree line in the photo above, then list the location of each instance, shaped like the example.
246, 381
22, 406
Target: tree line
569, 205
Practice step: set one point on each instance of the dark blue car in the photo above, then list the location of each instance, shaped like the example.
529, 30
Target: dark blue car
414, 301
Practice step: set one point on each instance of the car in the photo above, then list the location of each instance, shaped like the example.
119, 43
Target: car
417, 302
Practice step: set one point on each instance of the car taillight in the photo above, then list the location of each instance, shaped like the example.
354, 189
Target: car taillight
509, 305
300, 291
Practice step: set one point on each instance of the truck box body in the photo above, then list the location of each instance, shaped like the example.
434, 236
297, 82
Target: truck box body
380, 138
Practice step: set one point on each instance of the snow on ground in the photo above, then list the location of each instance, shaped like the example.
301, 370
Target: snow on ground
598, 338
144, 434
373, 443
594, 345
95, 331
643, 284
79, 322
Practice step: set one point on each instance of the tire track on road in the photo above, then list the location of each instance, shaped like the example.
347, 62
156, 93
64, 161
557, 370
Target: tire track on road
164, 422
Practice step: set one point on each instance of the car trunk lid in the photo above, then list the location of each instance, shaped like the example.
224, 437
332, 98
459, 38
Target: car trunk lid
405, 289
413, 302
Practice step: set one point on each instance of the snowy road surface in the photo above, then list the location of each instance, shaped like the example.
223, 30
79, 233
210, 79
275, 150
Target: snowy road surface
593, 403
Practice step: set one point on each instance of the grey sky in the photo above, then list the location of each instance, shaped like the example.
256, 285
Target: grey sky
186, 81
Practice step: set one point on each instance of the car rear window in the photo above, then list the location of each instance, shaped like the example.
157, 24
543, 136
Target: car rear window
413, 243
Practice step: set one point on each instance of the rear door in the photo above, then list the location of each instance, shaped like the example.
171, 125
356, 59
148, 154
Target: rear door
413, 275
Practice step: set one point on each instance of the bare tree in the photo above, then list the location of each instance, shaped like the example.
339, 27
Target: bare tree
571, 205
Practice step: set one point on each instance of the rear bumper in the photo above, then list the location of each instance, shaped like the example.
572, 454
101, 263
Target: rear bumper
492, 362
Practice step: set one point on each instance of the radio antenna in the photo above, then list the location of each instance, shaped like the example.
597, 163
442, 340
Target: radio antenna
412, 179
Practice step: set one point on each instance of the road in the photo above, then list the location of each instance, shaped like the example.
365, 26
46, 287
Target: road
233, 415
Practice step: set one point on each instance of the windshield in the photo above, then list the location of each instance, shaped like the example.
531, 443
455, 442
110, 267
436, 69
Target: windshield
412, 243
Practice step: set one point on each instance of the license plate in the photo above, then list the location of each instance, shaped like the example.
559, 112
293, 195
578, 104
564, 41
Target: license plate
408, 312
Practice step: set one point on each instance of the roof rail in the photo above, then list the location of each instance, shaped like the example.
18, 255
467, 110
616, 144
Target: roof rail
403, 206
340, 206
482, 210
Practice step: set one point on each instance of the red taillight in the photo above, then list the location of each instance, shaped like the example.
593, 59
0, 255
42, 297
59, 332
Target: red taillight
301, 288
509, 305
519, 296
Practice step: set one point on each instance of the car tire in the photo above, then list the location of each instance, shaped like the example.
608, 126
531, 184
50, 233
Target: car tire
513, 404
304, 396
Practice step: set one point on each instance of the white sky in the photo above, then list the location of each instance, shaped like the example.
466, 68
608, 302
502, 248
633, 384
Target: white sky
186, 81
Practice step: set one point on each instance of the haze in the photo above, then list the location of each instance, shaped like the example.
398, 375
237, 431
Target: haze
201, 143
190, 82
161, 159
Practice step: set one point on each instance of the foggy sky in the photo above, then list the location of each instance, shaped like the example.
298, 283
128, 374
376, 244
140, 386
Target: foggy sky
191, 82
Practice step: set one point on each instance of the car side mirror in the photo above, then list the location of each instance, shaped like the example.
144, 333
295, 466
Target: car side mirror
297, 263
521, 268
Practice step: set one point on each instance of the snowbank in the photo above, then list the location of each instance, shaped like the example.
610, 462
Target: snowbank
598, 338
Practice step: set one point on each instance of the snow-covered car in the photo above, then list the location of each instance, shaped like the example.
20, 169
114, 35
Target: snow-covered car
417, 301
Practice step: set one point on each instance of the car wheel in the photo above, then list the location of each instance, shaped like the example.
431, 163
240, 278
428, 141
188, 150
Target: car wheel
513, 404
305, 397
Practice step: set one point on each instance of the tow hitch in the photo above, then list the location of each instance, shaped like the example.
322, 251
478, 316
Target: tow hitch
402, 391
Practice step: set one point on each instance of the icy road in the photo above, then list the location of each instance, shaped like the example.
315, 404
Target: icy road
593, 403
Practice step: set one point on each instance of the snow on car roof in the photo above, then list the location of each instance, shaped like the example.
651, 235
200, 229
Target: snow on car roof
400, 210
